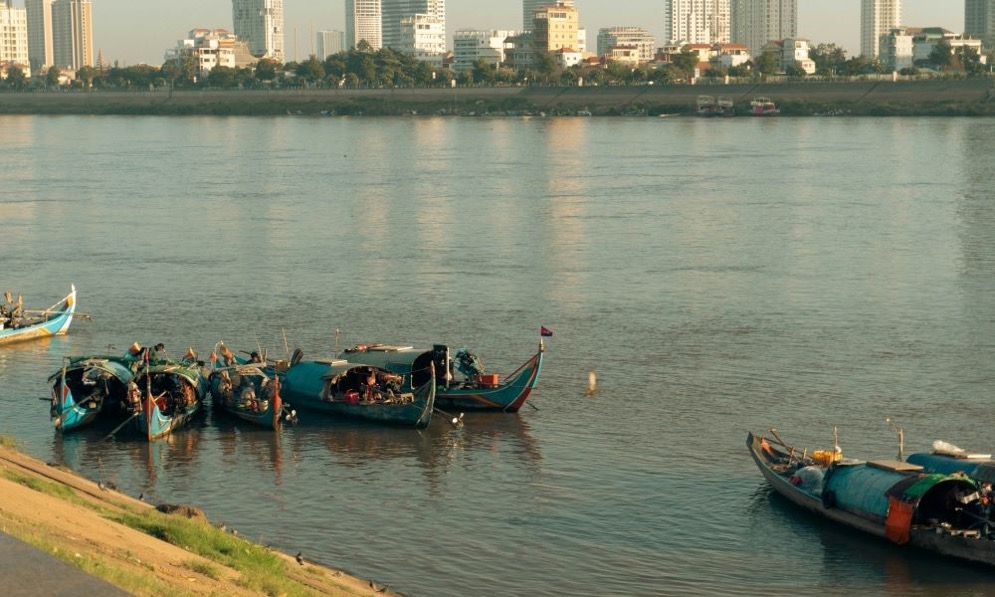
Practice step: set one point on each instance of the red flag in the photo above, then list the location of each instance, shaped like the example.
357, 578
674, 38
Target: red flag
545, 332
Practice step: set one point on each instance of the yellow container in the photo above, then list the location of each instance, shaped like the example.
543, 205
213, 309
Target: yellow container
826, 457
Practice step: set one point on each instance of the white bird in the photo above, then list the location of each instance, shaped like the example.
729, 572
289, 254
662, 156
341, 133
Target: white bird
592, 383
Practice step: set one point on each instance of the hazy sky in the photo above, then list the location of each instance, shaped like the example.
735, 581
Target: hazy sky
134, 31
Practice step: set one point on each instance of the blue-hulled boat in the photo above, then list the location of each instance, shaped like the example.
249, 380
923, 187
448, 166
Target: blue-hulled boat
947, 459
359, 391
17, 324
461, 382
90, 387
242, 388
891, 499
165, 395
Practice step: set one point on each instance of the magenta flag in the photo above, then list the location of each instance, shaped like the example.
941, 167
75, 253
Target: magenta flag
545, 332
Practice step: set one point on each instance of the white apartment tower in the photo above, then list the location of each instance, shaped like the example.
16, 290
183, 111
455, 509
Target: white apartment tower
696, 21
41, 51
260, 23
13, 34
363, 23
394, 11
979, 20
329, 42
72, 34
755, 23
877, 19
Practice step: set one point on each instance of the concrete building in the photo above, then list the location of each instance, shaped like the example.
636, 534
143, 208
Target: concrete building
877, 19
394, 11
260, 23
213, 47
696, 21
14, 36
730, 55
470, 45
529, 8
41, 51
631, 37
72, 34
556, 27
756, 22
979, 20
328, 43
363, 23
795, 51
423, 37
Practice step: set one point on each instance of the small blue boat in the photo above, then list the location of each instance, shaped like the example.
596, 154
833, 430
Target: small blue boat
165, 395
896, 500
242, 388
461, 382
90, 387
359, 391
17, 324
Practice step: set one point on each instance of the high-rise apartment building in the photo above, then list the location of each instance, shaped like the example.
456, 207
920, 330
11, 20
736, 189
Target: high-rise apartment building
529, 8
260, 23
556, 27
72, 34
877, 19
627, 37
13, 34
41, 51
979, 20
394, 11
754, 23
423, 37
329, 43
363, 23
696, 21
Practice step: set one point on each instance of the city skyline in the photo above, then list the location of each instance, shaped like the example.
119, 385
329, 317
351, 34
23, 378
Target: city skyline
118, 32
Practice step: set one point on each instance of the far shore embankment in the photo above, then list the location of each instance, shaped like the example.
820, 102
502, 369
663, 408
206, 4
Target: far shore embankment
936, 97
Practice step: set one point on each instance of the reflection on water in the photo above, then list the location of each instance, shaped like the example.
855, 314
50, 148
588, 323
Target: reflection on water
720, 276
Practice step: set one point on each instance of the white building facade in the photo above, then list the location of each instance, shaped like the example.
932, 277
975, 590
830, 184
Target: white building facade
470, 45
260, 23
754, 23
696, 21
631, 37
41, 51
72, 34
877, 19
395, 11
210, 48
363, 23
423, 37
795, 51
14, 35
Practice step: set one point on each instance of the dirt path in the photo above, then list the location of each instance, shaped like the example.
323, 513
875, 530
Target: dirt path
67, 527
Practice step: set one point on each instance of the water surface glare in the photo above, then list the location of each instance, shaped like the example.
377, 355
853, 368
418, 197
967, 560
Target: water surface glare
720, 276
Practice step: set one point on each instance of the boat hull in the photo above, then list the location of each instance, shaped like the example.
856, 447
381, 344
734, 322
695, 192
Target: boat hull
55, 324
88, 389
508, 397
161, 411
266, 412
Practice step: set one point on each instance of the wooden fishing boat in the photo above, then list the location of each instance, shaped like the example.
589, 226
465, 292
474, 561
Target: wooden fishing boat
166, 395
359, 391
895, 500
90, 387
461, 381
243, 389
17, 324
947, 459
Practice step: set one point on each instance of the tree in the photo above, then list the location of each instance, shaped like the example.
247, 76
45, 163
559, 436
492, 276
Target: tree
970, 60
86, 74
266, 69
52, 76
828, 59
795, 70
940, 57
767, 63
311, 70
221, 76
483, 72
545, 66
685, 63
15, 77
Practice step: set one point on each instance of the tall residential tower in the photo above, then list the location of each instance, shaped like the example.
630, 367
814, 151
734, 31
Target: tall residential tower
41, 51
260, 23
13, 34
72, 34
696, 21
362, 23
754, 23
394, 11
877, 19
979, 20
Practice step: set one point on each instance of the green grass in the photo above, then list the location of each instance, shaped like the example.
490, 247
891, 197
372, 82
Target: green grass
261, 569
58, 490
8, 441
203, 568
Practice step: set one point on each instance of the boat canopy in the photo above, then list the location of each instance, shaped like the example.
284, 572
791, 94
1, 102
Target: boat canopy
979, 468
413, 363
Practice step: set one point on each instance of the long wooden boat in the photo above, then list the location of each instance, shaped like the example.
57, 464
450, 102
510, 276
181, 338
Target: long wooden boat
952, 460
165, 396
359, 391
895, 500
461, 382
243, 389
17, 325
90, 387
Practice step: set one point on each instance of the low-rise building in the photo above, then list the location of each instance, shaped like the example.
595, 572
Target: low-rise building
795, 51
634, 37
470, 45
210, 48
906, 47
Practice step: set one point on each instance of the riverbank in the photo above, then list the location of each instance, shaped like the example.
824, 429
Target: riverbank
942, 97
143, 551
